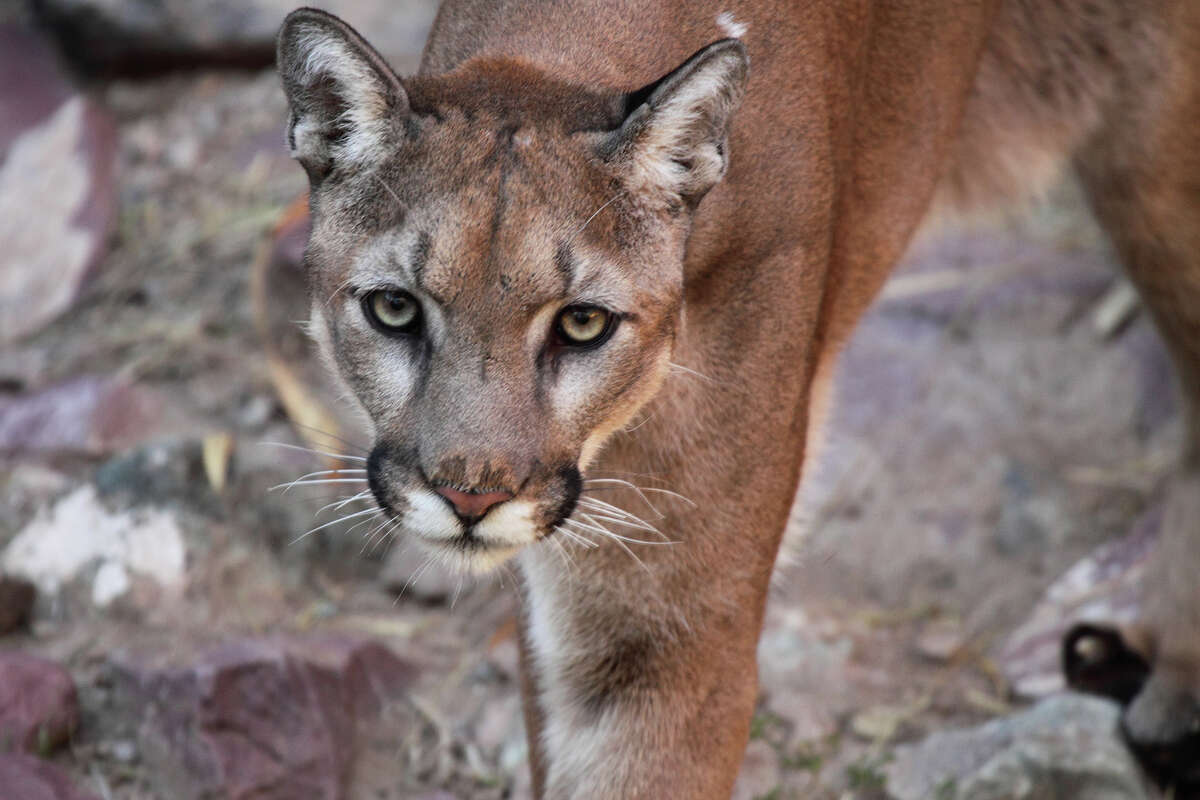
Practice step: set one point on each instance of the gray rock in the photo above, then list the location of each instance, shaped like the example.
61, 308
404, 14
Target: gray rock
1065, 748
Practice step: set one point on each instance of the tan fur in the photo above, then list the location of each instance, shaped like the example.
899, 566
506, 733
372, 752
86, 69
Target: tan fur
537, 174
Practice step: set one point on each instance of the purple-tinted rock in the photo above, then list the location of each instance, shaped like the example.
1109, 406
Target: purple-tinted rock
90, 414
24, 777
270, 719
49, 136
39, 708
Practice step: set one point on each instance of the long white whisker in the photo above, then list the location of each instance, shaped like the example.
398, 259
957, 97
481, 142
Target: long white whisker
347, 517
421, 570
512, 575
627, 484
609, 534
337, 290
626, 519
388, 189
600, 515
644, 420
689, 371
588, 221
670, 493
317, 474
641, 489
609, 508
338, 504
343, 456
366, 521
568, 562
320, 482
577, 537
457, 590
341, 439
386, 532
630, 539
370, 534
590, 527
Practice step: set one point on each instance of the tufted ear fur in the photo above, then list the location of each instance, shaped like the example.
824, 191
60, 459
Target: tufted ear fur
347, 104
672, 144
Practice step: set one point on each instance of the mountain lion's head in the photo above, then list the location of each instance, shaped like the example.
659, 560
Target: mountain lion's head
496, 266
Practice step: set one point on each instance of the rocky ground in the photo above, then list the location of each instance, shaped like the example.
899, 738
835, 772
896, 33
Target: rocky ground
1005, 417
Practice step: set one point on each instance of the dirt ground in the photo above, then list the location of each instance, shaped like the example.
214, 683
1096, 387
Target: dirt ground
988, 432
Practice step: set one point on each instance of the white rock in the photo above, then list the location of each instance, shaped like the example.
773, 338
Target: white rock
111, 581
78, 531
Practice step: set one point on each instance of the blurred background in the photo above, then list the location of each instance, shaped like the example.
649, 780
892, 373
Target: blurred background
179, 620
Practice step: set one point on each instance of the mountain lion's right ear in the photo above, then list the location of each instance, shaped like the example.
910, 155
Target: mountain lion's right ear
347, 104
673, 143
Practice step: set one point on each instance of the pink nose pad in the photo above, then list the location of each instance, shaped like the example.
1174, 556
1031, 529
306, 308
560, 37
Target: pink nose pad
471, 506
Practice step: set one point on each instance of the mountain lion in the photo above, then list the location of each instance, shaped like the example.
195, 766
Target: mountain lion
567, 255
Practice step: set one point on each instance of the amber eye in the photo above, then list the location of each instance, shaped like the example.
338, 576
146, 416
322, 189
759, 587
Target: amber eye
584, 326
392, 310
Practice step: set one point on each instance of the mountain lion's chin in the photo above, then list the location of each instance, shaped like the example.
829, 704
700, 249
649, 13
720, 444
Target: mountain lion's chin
469, 555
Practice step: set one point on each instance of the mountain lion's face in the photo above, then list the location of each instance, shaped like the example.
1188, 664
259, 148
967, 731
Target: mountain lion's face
496, 269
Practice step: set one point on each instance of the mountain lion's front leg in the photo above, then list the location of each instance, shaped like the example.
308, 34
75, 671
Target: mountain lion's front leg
631, 693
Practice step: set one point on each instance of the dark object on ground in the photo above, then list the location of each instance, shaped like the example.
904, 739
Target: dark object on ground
1097, 660
16, 601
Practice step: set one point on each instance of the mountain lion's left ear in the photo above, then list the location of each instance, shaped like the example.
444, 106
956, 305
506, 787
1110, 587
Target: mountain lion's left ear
672, 144
347, 103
